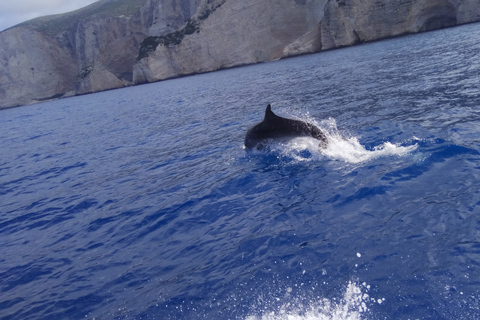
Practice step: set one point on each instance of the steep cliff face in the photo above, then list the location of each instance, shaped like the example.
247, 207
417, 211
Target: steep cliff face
88, 50
348, 22
115, 43
251, 31
106, 47
33, 67
232, 33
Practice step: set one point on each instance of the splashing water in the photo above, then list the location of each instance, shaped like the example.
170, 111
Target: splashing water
351, 307
340, 148
350, 150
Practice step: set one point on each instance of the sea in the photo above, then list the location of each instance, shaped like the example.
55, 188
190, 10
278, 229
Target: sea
143, 203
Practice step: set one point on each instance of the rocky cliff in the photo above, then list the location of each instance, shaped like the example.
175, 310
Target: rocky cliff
115, 43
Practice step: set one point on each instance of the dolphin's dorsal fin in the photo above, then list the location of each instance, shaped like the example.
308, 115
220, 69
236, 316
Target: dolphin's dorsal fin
269, 113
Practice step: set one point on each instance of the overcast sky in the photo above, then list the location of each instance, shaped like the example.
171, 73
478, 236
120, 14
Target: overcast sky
13, 12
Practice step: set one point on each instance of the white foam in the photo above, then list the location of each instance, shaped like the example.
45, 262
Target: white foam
340, 148
351, 307
350, 150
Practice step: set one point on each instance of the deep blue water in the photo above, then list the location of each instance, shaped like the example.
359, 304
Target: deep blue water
141, 203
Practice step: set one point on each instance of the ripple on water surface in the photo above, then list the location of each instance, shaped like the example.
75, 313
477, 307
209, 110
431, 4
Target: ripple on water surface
142, 202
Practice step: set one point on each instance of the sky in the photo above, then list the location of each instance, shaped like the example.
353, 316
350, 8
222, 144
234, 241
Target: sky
13, 12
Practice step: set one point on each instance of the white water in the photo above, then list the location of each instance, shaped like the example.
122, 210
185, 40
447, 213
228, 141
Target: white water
340, 147
350, 150
352, 306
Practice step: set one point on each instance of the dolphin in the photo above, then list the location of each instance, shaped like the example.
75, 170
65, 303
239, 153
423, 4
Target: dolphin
275, 127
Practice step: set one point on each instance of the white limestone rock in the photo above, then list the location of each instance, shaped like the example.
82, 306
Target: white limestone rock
116, 43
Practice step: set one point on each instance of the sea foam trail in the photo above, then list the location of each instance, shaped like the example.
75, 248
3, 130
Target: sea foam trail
339, 148
352, 306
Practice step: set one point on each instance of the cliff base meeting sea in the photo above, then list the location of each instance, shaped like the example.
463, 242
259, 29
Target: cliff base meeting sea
142, 202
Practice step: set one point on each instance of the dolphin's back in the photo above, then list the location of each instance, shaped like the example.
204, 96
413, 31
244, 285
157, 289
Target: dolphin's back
275, 127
